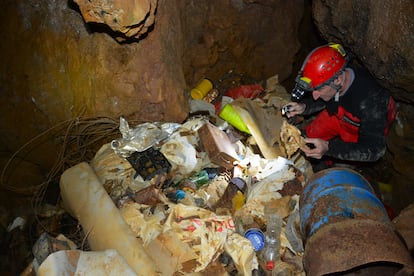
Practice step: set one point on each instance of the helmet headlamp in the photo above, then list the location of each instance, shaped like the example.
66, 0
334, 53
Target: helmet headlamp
320, 68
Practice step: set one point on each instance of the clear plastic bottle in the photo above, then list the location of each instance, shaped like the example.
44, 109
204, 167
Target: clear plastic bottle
271, 251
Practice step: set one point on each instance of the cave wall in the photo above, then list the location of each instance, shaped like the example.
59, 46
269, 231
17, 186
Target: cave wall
255, 38
56, 66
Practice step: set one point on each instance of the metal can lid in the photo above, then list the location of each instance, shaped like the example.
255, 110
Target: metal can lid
256, 237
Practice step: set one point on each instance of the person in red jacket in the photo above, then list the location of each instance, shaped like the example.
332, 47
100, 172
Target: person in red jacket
353, 111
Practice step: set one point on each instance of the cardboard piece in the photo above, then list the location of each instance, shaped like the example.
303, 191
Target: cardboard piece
217, 145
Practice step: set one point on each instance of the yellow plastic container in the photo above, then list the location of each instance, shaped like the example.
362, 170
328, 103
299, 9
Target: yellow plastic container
238, 201
229, 114
201, 90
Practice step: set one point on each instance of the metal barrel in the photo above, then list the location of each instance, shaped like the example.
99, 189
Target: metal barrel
338, 194
345, 227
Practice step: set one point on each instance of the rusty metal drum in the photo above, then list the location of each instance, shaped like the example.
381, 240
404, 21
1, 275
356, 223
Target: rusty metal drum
346, 229
338, 194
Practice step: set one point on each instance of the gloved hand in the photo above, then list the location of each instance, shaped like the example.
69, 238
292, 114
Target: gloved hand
318, 149
293, 109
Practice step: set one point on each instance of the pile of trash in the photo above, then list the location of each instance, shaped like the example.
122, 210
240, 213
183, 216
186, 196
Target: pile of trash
219, 193
196, 197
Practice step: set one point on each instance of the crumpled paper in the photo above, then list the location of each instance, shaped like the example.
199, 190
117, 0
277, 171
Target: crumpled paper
201, 231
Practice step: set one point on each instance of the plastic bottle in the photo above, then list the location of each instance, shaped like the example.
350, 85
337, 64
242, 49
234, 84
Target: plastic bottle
201, 90
196, 180
185, 197
292, 234
270, 253
238, 201
212, 172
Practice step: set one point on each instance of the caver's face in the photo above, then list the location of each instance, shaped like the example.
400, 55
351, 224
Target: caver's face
326, 93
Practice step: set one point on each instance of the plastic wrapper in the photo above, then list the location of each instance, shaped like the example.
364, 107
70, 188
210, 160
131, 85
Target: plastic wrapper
262, 168
141, 137
271, 175
182, 156
164, 247
267, 189
115, 173
291, 139
205, 231
256, 118
245, 91
202, 105
145, 226
180, 150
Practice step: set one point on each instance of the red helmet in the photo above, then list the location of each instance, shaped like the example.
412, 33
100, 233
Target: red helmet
321, 66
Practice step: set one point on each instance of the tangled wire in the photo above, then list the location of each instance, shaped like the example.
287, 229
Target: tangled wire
77, 140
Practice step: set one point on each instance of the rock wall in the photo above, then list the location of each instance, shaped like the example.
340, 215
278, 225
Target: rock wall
55, 66
256, 38
62, 60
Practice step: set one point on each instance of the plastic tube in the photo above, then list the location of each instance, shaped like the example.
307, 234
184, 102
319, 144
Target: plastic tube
86, 199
